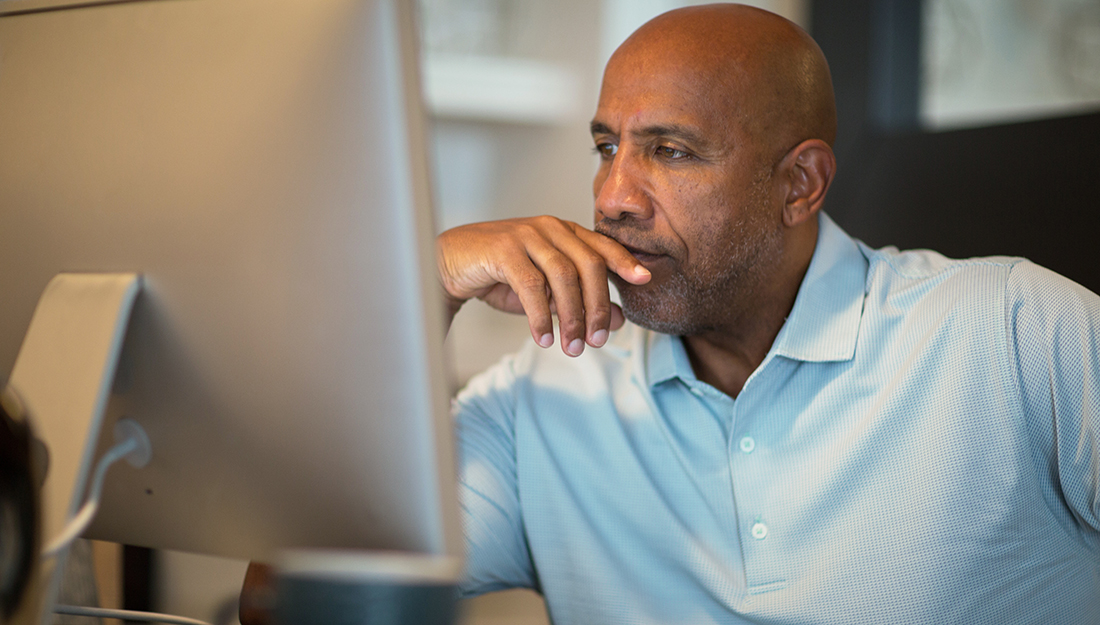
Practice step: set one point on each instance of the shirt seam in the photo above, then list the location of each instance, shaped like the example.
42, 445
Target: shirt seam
954, 265
1012, 352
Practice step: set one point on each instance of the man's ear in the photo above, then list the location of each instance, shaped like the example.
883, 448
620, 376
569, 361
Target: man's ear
809, 168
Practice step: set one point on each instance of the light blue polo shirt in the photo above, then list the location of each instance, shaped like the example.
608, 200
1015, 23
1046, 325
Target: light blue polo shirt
920, 445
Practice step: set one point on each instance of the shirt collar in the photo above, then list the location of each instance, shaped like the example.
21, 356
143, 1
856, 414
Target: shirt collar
666, 358
823, 325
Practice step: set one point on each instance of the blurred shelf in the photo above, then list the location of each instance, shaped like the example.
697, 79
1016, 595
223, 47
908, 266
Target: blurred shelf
499, 89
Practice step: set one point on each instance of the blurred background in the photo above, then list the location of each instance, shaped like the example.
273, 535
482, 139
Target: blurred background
966, 126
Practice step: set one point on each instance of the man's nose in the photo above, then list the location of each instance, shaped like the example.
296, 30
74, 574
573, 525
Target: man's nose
622, 191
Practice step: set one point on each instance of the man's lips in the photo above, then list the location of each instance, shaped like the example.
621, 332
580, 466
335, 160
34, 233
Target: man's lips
647, 252
641, 254
638, 248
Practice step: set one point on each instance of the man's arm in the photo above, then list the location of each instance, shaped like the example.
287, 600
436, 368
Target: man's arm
539, 266
1055, 329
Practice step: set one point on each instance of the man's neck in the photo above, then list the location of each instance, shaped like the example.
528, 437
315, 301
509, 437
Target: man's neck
727, 356
725, 360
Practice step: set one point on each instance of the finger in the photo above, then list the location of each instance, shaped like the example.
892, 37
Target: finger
503, 298
591, 269
530, 286
618, 319
617, 258
549, 250
564, 280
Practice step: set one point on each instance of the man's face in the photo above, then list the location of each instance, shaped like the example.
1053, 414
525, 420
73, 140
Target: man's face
684, 188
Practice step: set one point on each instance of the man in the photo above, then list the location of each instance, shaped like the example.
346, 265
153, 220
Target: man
802, 429
794, 428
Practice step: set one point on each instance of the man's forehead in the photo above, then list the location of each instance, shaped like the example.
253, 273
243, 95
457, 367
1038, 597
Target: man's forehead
681, 98
728, 68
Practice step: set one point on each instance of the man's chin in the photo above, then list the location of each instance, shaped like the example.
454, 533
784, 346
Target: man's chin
659, 324
656, 305
651, 314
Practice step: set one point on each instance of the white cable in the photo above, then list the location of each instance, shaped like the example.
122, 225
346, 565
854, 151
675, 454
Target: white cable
153, 617
84, 517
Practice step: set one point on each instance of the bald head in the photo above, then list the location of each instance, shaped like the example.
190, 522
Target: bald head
766, 73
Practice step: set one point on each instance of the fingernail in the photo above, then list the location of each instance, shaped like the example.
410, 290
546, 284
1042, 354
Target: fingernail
576, 347
599, 337
639, 270
546, 340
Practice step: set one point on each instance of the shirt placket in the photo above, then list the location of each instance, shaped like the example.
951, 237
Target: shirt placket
749, 450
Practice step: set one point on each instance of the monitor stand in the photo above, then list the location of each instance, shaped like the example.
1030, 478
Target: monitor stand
63, 376
343, 587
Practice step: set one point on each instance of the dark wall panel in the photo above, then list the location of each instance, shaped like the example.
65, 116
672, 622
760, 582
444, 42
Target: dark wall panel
1020, 189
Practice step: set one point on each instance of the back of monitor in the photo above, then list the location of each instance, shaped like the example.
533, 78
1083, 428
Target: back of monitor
261, 163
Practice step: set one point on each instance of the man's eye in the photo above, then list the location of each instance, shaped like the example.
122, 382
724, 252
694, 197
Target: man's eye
671, 154
606, 150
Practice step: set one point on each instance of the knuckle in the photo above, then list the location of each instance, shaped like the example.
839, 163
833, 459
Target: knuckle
598, 313
526, 230
553, 226
511, 246
572, 325
531, 281
592, 262
564, 273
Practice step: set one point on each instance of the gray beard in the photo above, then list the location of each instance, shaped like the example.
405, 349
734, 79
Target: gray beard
701, 299
714, 288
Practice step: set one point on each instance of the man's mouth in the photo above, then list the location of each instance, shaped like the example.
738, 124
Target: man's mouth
642, 255
648, 252
640, 249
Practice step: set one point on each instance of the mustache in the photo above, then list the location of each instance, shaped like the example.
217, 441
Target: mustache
633, 237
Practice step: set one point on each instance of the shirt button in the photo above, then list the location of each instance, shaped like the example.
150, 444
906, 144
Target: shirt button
759, 531
748, 444
696, 392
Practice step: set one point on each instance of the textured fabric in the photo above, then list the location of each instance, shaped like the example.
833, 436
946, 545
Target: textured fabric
920, 445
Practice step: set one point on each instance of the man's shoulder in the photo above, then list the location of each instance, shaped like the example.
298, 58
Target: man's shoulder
924, 264
1012, 276
920, 274
980, 288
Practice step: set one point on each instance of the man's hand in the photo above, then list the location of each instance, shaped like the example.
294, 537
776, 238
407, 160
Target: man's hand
539, 267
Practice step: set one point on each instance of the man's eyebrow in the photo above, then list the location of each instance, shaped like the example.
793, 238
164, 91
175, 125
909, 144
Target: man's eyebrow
600, 128
672, 131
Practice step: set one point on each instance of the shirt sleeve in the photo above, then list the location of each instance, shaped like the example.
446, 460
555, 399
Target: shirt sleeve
497, 555
1054, 325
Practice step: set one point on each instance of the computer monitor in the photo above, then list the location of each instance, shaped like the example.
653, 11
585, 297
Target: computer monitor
262, 164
